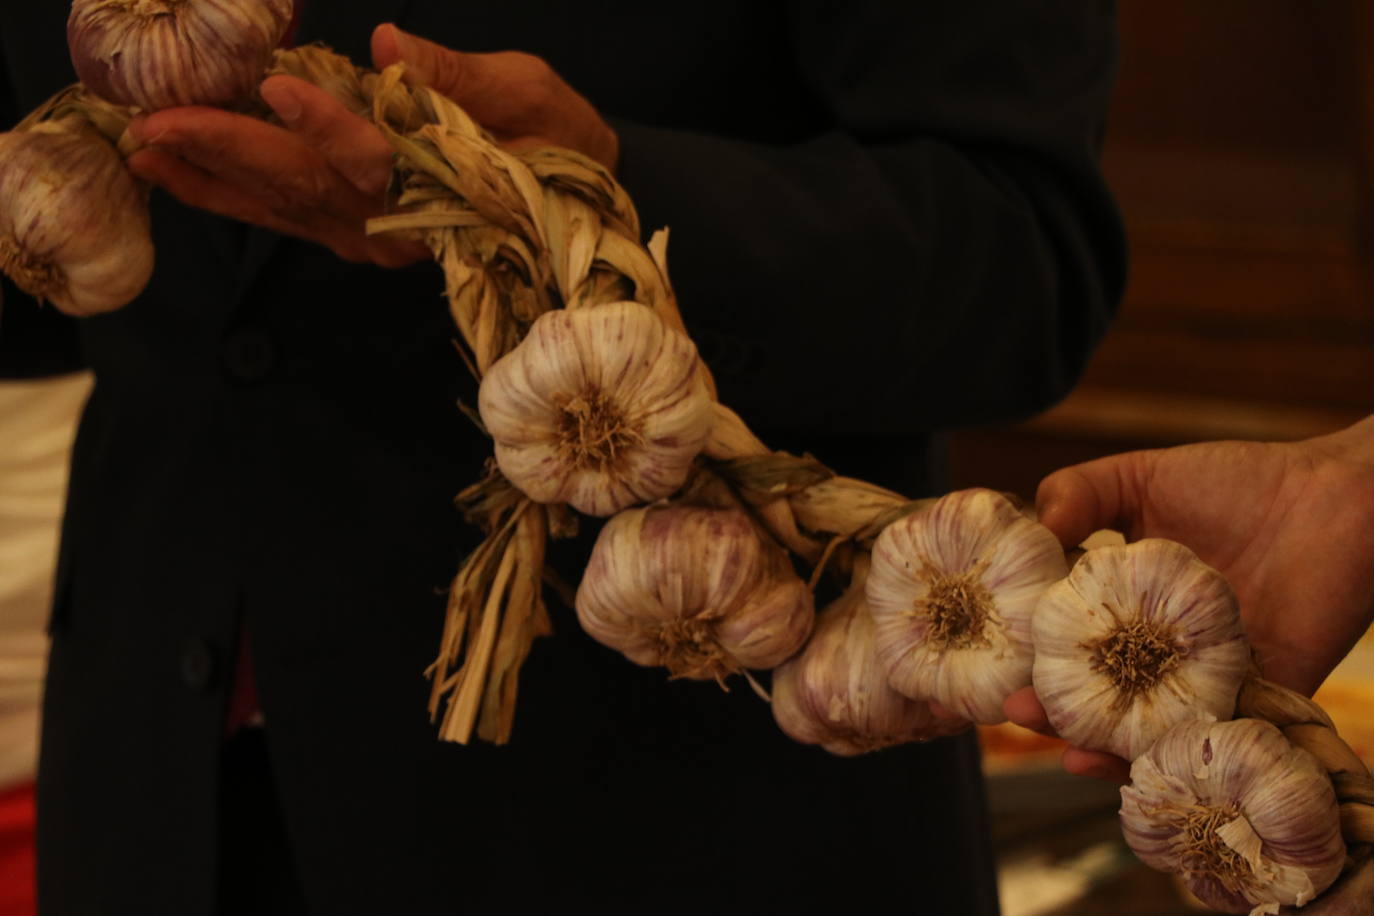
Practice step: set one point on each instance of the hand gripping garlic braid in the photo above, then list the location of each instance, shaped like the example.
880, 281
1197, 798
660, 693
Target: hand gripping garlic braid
74, 226
1139, 652
345, 449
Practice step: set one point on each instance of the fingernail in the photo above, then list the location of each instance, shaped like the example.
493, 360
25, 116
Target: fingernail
136, 136
405, 47
283, 101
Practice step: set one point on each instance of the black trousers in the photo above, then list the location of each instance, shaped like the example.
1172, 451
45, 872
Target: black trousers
256, 874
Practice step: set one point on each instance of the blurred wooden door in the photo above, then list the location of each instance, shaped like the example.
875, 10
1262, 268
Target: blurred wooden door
1241, 148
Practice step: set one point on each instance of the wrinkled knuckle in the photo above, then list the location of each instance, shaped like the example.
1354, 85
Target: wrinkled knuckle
276, 199
447, 73
211, 148
307, 188
536, 82
297, 197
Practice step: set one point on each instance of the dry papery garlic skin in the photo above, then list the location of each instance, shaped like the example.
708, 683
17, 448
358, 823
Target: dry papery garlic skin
951, 591
155, 54
1248, 820
600, 407
74, 225
835, 694
1138, 638
700, 591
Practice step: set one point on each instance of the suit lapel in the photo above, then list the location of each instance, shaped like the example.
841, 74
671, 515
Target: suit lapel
346, 26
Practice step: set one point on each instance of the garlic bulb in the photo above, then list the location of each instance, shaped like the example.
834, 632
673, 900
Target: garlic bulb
1249, 821
1137, 639
598, 407
951, 590
836, 695
162, 53
74, 227
697, 590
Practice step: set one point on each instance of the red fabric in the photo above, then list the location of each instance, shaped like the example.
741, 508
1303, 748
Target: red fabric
243, 692
18, 889
289, 39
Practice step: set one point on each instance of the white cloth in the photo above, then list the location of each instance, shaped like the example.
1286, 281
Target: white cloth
37, 425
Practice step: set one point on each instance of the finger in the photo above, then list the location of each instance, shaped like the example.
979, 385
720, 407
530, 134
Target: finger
210, 130
471, 80
512, 94
1024, 709
1096, 765
265, 161
1106, 493
352, 145
197, 188
942, 711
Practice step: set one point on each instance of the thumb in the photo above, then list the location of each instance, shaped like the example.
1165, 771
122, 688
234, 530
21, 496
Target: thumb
1106, 493
460, 76
350, 143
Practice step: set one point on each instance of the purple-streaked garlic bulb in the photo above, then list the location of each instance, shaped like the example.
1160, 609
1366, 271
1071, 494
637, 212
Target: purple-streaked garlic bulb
74, 226
155, 54
952, 590
835, 694
700, 591
1248, 820
1137, 639
600, 407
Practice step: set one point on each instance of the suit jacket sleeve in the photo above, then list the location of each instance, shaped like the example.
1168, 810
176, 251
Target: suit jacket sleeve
946, 253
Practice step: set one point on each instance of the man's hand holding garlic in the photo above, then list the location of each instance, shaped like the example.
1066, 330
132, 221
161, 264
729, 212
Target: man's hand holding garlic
1290, 526
325, 172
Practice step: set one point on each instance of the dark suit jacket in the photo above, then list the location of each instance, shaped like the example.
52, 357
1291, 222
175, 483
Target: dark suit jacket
886, 220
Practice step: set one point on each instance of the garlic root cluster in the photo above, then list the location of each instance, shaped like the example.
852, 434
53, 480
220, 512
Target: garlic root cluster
1248, 820
601, 407
952, 591
1136, 639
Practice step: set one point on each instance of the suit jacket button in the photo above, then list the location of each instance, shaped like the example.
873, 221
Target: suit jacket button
249, 354
197, 664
